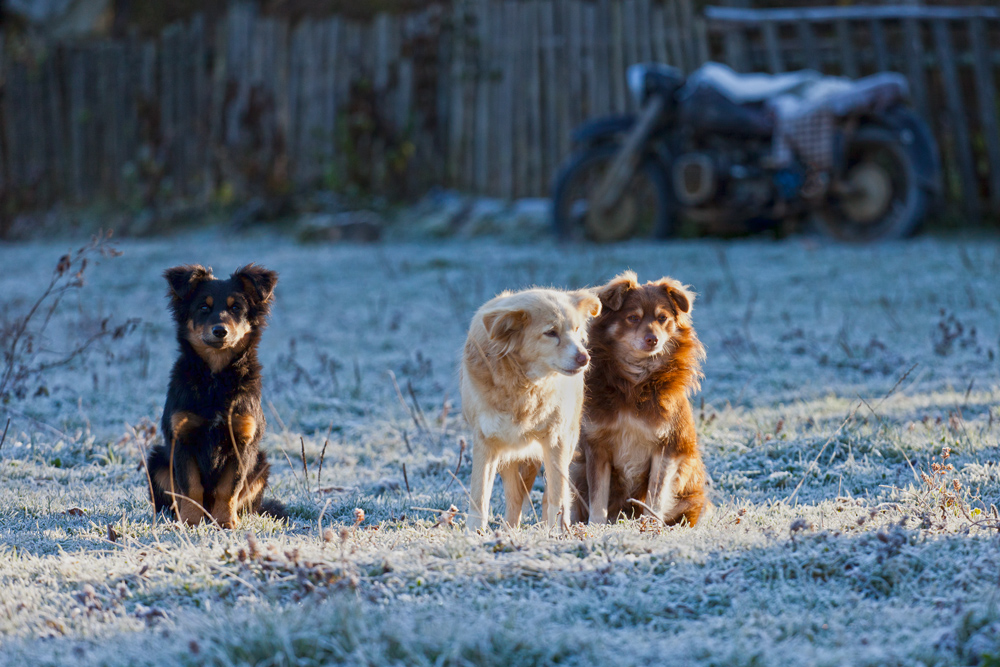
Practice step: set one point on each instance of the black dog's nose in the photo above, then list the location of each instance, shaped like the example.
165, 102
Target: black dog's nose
219, 331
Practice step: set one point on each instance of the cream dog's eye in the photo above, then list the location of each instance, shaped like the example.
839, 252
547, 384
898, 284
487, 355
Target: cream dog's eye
552, 333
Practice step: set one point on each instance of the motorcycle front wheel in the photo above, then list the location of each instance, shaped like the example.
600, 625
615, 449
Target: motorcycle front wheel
879, 197
642, 210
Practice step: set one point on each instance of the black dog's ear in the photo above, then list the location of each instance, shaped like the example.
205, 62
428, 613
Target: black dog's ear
183, 279
257, 281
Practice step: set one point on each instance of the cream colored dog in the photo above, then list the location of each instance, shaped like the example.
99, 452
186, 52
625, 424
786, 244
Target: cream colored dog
522, 395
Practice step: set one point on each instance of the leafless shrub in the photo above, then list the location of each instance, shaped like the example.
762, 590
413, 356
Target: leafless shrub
22, 338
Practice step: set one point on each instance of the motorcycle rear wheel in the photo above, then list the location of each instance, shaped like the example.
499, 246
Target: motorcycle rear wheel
883, 199
642, 211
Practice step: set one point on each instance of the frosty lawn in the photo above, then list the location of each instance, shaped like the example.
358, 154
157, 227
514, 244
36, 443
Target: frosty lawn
836, 376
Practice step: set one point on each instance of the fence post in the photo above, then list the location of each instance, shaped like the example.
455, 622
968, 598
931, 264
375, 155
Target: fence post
959, 128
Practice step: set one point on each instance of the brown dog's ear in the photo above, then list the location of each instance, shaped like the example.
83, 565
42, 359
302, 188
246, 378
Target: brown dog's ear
586, 302
502, 324
681, 295
612, 295
183, 279
257, 281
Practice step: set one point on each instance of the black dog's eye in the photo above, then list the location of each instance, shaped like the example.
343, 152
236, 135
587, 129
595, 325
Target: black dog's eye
205, 308
552, 333
236, 309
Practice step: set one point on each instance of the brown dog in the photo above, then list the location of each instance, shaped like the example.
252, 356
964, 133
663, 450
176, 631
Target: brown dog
638, 439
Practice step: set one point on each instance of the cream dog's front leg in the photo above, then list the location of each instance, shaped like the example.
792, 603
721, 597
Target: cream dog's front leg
484, 470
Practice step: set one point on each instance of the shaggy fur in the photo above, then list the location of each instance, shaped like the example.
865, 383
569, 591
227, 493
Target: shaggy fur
210, 461
522, 395
638, 438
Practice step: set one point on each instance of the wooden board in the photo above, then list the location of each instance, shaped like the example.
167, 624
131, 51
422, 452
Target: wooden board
987, 98
959, 126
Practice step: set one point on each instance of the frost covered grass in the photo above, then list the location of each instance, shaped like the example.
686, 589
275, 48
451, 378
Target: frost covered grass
849, 417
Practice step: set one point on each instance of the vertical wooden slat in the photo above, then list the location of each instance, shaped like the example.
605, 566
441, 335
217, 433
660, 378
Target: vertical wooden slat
848, 62
987, 98
959, 127
879, 45
551, 87
690, 36
620, 100
775, 62
455, 115
508, 94
599, 32
629, 33
915, 66
54, 127
700, 46
807, 42
536, 178
673, 18
77, 118
644, 25
481, 130
661, 47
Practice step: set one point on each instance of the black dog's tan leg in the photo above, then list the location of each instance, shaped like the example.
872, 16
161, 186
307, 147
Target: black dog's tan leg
191, 500
253, 489
227, 492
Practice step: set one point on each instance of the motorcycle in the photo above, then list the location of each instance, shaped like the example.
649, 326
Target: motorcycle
721, 148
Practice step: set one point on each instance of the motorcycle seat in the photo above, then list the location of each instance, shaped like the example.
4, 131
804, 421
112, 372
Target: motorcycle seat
750, 88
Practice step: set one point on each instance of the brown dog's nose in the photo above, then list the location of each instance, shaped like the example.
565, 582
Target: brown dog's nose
582, 359
219, 331
651, 340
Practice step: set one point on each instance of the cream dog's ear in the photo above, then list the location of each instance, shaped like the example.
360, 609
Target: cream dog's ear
586, 302
612, 295
503, 324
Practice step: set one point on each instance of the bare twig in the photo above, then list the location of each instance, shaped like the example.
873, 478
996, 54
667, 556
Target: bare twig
461, 450
413, 415
305, 467
3, 438
649, 509
322, 457
406, 480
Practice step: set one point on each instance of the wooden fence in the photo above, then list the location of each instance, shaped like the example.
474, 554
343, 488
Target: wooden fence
477, 94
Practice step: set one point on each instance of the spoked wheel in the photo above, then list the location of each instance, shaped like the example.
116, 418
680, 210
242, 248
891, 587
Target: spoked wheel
879, 197
642, 210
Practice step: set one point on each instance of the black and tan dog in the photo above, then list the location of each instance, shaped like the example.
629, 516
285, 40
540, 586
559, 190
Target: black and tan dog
210, 461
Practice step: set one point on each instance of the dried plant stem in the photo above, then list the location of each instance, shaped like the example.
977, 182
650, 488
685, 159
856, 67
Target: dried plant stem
3, 438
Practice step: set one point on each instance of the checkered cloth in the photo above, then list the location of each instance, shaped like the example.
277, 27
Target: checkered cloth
806, 122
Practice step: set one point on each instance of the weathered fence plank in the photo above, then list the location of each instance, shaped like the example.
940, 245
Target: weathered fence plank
492, 106
959, 127
987, 98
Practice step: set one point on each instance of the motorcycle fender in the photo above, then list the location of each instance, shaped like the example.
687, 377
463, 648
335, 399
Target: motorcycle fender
603, 129
919, 143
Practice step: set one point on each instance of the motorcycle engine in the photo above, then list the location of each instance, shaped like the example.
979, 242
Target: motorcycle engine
695, 179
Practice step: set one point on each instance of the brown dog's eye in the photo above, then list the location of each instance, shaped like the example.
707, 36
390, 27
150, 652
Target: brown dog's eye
632, 319
552, 333
662, 319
